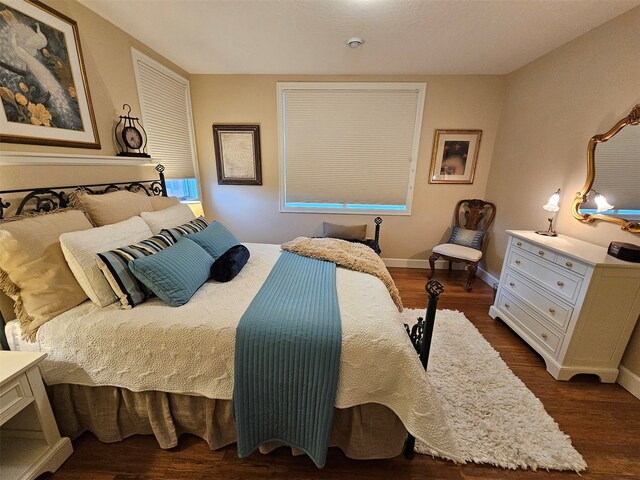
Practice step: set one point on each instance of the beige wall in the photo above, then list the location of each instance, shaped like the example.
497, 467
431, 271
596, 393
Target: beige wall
552, 107
464, 102
109, 67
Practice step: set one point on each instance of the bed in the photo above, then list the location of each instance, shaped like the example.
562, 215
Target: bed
166, 371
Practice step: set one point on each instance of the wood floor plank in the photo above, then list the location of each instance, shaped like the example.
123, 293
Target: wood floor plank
603, 422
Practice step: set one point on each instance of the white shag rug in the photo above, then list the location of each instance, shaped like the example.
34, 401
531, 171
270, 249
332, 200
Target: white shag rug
494, 417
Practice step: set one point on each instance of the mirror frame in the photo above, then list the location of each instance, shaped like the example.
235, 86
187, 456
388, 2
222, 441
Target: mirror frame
630, 226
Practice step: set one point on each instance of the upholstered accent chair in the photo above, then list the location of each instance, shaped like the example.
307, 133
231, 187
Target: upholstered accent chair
472, 218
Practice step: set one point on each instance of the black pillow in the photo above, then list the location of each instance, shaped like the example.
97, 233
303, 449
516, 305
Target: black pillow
229, 264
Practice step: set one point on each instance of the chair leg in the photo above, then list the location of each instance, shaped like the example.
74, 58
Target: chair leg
450, 266
472, 267
432, 264
409, 451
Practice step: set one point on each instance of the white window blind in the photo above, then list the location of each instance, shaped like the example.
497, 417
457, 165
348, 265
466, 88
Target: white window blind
165, 104
349, 147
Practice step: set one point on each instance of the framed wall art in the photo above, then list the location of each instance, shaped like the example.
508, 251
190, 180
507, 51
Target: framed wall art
455, 154
43, 83
237, 151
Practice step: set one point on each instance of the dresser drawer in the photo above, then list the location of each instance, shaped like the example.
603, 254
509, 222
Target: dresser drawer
521, 244
556, 313
571, 264
543, 335
540, 271
14, 396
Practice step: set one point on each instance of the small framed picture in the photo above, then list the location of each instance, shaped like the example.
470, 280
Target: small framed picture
237, 150
455, 154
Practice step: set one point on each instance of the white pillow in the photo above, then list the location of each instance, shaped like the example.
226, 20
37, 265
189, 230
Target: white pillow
168, 218
80, 249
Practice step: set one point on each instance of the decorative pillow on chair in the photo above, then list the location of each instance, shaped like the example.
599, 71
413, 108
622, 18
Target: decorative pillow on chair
229, 264
193, 226
175, 273
467, 238
215, 239
115, 268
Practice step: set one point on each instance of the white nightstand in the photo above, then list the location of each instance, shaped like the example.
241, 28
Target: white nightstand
30, 443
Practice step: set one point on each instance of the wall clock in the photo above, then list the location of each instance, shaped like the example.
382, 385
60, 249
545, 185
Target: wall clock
130, 136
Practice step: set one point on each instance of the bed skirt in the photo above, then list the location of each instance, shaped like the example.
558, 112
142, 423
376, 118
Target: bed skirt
112, 414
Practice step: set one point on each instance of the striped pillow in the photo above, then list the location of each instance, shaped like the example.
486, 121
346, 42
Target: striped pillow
194, 226
114, 265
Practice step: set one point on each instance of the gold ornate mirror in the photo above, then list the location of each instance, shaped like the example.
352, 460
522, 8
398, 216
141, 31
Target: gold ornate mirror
612, 190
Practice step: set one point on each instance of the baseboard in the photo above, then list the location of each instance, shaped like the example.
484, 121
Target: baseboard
629, 381
486, 277
419, 263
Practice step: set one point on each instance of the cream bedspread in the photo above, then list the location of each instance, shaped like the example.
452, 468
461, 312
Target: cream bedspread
190, 349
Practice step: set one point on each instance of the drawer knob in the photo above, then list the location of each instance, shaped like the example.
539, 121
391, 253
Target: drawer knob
552, 310
540, 252
512, 284
560, 283
517, 262
544, 335
506, 305
569, 264
519, 244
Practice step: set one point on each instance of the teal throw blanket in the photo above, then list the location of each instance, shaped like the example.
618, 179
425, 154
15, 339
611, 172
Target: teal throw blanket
287, 359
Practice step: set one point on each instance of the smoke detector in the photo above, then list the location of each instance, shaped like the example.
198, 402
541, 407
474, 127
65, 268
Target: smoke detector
355, 42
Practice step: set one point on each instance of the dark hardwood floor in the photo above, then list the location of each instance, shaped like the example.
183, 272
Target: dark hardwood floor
603, 421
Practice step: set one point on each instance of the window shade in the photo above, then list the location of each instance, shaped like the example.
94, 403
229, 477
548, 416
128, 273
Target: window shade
350, 147
166, 115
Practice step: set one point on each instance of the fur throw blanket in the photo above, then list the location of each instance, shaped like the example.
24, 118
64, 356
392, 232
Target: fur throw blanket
353, 256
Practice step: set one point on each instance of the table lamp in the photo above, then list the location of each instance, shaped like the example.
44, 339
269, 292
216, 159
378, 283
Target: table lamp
551, 206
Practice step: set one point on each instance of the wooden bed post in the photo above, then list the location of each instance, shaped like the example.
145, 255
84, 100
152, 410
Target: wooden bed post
421, 335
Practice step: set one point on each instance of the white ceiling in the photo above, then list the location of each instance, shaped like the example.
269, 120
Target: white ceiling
401, 36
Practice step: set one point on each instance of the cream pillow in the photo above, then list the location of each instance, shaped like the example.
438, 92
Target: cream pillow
113, 207
33, 271
160, 203
81, 249
168, 218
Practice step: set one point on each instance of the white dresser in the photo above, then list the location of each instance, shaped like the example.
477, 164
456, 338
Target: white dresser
573, 303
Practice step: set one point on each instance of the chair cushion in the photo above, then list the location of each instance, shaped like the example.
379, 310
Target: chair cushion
458, 251
467, 238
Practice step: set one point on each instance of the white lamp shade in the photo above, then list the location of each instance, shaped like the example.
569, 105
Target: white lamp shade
552, 204
602, 204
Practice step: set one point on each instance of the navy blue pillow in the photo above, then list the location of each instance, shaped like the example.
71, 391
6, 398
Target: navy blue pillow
175, 273
467, 238
229, 264
215, 239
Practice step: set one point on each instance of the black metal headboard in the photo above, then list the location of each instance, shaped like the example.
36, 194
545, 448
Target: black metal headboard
51, 198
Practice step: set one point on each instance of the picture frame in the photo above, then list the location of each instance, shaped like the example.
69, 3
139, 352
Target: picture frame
455, 155
237, 152
44, 91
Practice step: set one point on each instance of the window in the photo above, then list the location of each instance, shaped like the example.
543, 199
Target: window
165, 105
348, 147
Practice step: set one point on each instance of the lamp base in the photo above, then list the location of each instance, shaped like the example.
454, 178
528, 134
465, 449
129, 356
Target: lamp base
547, 233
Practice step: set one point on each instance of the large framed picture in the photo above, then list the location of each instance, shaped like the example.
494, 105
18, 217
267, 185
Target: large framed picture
237, 150
455, 154
43, 83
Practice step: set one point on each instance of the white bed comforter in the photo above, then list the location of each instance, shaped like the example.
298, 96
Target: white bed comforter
190, 349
